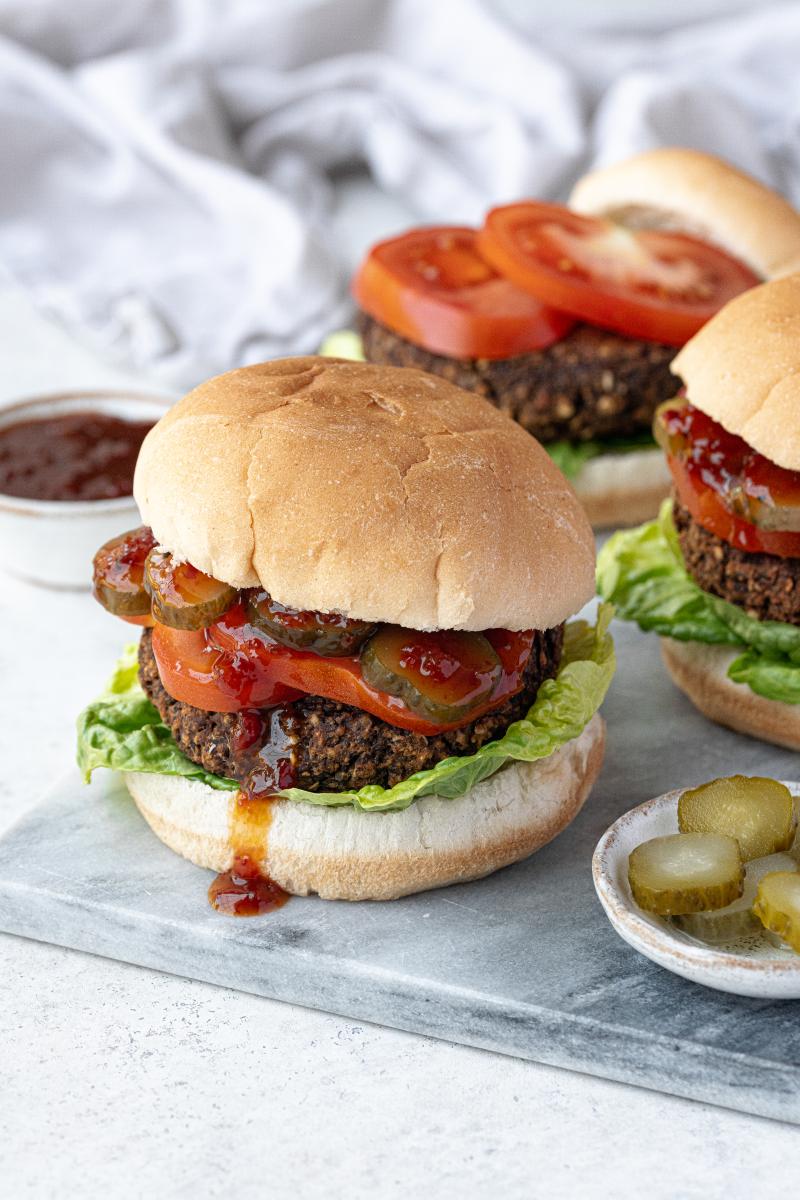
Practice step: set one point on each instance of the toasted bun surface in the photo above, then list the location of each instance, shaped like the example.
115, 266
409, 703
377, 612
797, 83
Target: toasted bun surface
675, 188
380, 492
344, 854
623, 489
701, 672
743, 369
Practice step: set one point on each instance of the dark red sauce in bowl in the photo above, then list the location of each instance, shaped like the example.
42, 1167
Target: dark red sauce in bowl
70, 456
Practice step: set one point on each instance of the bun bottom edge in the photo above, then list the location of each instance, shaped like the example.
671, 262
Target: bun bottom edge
618, 490
701, 673
346, 854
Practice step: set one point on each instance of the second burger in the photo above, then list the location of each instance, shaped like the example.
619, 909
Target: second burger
568, 319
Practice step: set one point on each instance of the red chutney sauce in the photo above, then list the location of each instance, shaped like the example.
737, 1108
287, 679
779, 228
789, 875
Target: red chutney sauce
71, 456
243, 891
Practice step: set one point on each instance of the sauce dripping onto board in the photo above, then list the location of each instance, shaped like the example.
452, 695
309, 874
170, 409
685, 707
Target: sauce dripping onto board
243, 890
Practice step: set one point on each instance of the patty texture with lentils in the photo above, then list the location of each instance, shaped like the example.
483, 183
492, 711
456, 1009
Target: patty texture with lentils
765, 586
334, 747
590, 384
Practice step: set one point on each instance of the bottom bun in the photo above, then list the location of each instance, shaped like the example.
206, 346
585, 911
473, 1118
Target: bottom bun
347, 854
623, 489
702, 673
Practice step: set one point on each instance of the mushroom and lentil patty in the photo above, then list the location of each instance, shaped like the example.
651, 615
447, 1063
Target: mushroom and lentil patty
766, 586
590, 384
334, 747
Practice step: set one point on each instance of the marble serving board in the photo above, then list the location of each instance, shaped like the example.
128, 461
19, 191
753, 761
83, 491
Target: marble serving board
524, 962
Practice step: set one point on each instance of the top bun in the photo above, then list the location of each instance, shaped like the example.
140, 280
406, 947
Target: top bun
673, 188
379, 492
743, 369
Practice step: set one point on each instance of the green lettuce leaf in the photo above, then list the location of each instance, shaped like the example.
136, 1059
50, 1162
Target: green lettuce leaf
122, 730
569, 457
344, 343
572, 457
641, 572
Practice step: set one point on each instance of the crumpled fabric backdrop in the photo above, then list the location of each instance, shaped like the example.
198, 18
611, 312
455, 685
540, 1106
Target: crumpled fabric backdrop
166, 164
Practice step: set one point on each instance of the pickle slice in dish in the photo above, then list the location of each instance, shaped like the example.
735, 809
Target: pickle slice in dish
758, 812
686, 873
736, 919
777, 905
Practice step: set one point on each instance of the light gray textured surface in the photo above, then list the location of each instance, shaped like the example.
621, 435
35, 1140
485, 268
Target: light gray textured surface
523, 962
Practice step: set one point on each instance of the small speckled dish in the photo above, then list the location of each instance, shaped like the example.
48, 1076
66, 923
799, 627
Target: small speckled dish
748, 966
52, 542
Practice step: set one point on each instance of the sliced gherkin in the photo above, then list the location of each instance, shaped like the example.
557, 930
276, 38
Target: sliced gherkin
183, 597
330, 635
777, 906
736, 919
758, 812
118, 573
443, 676
686, 873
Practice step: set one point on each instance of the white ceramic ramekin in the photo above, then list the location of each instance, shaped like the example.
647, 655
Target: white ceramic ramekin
52, 542
753, 968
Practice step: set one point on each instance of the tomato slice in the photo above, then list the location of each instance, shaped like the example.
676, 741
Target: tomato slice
195, 671
432, 286
710, 511
231, 666
643, 283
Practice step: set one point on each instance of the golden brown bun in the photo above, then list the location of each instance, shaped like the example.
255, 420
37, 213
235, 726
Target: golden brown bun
623, 489
743, 369
345, 854
701, 672
380, 492
675, 188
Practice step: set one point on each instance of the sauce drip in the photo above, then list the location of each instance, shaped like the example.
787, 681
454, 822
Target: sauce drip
243, 890
75, 456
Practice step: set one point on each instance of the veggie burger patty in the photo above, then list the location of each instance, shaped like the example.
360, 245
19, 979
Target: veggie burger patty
766, 586
334, 747
590, 384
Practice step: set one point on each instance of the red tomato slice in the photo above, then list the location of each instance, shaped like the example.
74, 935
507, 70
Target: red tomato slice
195, 671
646, 284
432, 286
230, 666
708, 509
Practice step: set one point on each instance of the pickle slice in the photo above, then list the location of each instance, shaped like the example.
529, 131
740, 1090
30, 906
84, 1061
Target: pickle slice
736, 919
328, 634
118, 573
686, 873
444, 676
758, 812
777, 905
663, 430
183, 597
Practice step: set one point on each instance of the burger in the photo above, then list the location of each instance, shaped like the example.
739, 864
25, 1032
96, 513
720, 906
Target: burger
717, 576
568, 318
354, 676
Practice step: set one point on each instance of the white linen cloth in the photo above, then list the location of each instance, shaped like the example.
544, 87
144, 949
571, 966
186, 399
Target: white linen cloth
166, 164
